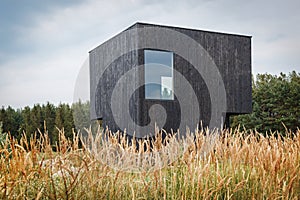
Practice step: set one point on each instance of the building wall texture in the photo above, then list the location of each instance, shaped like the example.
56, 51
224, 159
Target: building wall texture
212, 79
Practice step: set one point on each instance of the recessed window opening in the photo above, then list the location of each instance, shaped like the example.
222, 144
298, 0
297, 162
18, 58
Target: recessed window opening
159, 75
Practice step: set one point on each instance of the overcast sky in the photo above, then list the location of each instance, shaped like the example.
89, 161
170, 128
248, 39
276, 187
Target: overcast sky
44, 44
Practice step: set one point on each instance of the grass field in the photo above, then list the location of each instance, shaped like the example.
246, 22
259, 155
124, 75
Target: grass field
232, 165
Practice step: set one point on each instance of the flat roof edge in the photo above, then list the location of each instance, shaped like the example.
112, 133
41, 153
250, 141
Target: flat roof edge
185, 28
137, 24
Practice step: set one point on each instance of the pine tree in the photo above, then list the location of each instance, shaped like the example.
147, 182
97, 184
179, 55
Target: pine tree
3, 118
37, 121
276, 104
68, 121
59, 124
81, 115
63, 120
48, 111
26, 125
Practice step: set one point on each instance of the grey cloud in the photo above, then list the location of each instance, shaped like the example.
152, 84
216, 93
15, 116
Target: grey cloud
50, 39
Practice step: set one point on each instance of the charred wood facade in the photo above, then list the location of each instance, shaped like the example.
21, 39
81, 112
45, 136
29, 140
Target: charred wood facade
209, 68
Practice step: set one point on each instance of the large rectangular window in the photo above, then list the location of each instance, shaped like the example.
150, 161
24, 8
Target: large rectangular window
158, 74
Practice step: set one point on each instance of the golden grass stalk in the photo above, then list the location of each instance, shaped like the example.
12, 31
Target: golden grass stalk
227, 165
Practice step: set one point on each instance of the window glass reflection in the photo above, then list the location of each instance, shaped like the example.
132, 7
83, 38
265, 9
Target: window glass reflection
158, 75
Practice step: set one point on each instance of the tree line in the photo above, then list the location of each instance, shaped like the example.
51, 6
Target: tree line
275, 103
276, 106
46, 118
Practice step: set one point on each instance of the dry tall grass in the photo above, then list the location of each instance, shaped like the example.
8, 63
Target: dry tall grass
238, 166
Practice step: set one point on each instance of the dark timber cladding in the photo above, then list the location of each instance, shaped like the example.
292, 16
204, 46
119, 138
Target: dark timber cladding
117, 79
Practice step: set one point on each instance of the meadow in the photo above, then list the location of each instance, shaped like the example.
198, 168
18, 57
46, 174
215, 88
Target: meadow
229, 165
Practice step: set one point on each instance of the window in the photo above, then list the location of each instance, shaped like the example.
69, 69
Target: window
158, 74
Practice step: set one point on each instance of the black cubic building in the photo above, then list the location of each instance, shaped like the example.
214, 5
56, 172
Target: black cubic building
170, 77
